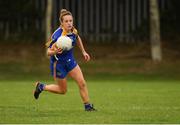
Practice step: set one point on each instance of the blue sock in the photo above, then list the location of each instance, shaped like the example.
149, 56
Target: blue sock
41, 86
87, 105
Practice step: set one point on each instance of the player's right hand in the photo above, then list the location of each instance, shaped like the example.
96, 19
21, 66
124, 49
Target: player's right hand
56, 49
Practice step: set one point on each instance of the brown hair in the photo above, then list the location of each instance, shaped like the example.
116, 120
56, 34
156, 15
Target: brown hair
63, 13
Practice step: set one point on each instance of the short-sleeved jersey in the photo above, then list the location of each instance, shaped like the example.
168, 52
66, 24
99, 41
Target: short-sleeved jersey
65, 54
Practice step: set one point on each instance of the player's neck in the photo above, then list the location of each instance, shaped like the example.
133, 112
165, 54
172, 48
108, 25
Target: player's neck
67, 30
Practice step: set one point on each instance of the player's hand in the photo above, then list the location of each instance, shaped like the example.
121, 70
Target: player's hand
56, 49
86, 56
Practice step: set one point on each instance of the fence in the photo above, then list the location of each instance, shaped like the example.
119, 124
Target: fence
96, 20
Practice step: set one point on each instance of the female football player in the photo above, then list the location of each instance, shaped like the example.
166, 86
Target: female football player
62, 63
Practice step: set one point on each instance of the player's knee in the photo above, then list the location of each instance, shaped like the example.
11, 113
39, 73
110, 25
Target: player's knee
82, 84
63, 92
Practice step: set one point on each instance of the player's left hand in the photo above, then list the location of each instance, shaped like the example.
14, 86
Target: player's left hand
86, 56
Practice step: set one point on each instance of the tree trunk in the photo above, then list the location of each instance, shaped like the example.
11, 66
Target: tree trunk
48, 19
7, 30
155, 31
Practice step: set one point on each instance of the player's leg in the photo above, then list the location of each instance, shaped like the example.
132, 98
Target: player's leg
59, 88
77, 75
59, 74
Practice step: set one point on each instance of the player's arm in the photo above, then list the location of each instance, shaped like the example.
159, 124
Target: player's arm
53, 50
81, 47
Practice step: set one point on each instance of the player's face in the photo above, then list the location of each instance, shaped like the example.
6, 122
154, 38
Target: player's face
67, 22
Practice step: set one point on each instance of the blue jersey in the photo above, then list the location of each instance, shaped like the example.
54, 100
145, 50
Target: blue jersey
61, 64
65, 54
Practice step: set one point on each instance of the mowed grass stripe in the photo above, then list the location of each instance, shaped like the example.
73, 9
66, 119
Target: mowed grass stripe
116, 101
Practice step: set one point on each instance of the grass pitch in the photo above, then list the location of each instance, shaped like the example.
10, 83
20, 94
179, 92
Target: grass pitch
125, 87
118, 101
